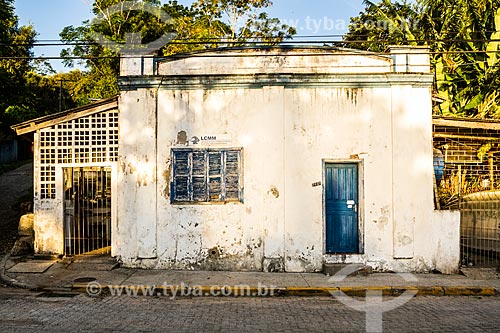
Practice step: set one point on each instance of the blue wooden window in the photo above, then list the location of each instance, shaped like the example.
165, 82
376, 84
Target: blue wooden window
206, 176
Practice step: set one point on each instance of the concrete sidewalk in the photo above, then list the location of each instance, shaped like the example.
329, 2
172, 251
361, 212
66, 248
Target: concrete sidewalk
75, 274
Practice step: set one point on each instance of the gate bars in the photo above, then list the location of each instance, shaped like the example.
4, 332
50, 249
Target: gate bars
87, 207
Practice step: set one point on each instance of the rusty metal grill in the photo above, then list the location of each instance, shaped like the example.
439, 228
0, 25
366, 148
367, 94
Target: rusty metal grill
87, 198
480, 229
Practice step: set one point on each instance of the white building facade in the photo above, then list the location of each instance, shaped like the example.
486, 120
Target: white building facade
279, 159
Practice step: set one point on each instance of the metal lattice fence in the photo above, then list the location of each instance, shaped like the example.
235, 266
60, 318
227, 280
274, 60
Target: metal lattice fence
83, 141
466, 158
467, 172
480, 229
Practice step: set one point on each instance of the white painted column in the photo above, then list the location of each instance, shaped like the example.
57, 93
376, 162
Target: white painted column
273, 171
136, 65
410, 59
412, 162
137, 175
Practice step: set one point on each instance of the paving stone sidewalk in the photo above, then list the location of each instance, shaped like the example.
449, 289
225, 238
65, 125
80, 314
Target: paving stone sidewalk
76, 274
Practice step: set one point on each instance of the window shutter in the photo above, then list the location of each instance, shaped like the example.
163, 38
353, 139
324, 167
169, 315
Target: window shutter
215, 176
206, 175
232, 175
181, 172
199, 176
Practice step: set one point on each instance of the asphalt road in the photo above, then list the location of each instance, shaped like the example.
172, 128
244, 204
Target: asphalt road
22, 311
14, 185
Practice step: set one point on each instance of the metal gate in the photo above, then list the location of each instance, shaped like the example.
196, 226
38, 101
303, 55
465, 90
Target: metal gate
87, 210
480, 229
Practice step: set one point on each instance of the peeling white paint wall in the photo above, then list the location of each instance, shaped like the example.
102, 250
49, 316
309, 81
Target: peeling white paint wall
252, 61
136, 234
290, 113
288, 127
47, 223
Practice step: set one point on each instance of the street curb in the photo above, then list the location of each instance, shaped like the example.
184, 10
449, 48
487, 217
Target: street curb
10, 281
247, 291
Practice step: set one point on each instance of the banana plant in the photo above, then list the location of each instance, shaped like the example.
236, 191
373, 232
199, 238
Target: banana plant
463, 36
396, 21
465, 55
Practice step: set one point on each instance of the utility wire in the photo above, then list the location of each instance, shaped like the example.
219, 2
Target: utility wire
231, 41
205, 53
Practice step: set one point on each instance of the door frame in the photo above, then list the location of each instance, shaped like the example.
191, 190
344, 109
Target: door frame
361, 202
114, 199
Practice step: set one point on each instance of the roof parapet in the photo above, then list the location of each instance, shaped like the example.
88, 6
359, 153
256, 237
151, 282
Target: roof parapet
410, 59
136, 64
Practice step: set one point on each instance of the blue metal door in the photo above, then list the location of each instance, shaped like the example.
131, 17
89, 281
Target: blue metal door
341, 201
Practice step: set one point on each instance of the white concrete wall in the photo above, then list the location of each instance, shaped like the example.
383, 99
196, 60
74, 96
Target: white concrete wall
254, 61
240, 234
335, 124
48, 221
287, 130
136, 182
288, 126
445, 241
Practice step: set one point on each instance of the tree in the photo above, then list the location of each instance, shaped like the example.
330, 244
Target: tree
213, 23
463, 38
384, 24
27, 90
465, 61
246, 21
205, 24
15, 52
102, 62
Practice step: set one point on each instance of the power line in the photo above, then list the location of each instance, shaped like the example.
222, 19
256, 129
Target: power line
232, 55
260, 41
233, 43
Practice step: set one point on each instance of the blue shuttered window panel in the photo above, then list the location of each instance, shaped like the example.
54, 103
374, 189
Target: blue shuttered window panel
181, 179
207, 176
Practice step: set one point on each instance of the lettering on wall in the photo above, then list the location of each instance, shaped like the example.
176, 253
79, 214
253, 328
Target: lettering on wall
208, 139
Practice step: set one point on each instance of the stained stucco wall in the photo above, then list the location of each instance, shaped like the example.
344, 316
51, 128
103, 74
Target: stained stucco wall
288, 128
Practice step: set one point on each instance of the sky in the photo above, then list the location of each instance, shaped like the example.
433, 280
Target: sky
312, 18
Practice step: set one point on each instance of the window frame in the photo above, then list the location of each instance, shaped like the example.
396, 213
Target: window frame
190, 197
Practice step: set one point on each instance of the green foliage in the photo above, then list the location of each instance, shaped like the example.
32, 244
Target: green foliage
245, 21
102, 63
463, 38
383, 24
18, 113
205, 24
16, 44
484, 151
465, 60
26, 90
213, 23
